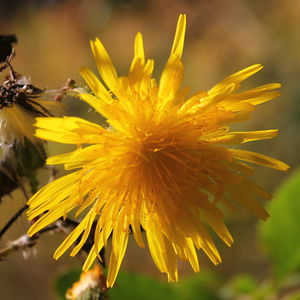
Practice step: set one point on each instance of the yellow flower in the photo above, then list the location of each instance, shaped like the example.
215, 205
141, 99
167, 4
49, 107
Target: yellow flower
160, 165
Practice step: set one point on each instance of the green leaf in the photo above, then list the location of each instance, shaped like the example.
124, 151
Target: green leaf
281, 233
203, 285
130, 286
244, 284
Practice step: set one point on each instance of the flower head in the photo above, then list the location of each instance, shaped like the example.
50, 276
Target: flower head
162, 165
19, 106
91, 285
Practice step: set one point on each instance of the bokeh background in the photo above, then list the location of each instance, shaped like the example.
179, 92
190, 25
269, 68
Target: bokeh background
222, 37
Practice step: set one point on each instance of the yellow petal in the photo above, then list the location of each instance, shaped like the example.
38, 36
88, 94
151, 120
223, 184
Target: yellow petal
203, 241
73, 236
95, 85
214, 99
233, 138
236, 78
171, 77
247, 199
259, 159
191, 254
119, 245
51, 217
98, 245
219, 227
255, 96
78, 158
139, 55
86, 233
170, 81
105, 65
54, 189
69, 130
178, 43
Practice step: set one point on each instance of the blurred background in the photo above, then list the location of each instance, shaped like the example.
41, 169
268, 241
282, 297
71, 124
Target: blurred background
223, 36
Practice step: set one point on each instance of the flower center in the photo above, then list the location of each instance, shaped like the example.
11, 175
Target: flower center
164, 161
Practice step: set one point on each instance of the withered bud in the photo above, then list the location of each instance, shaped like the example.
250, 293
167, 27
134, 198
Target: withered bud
91, 285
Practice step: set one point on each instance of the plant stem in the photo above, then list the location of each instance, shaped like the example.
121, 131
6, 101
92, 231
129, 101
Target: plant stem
12, 220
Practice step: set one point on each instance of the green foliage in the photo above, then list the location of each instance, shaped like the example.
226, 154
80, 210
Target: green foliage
244, 284
203, 285
130, 286
281, 234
